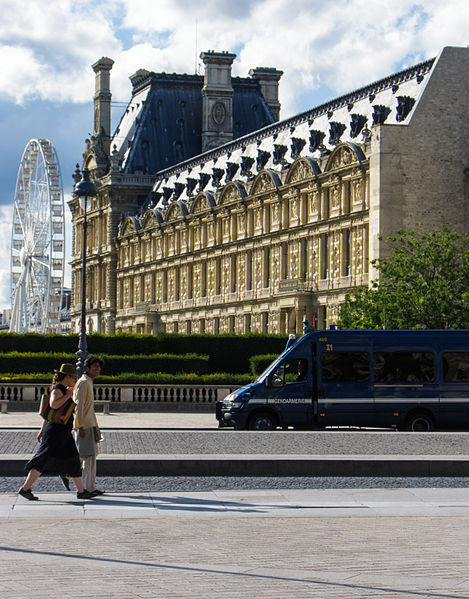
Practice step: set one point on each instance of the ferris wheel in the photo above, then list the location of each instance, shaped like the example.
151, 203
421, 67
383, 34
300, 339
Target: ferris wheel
37, 242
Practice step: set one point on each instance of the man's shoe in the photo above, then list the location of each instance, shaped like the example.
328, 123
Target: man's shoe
65, 481
28, 494
85, 495
97, 492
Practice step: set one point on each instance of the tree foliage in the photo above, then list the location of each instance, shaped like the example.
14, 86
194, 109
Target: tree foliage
424, 283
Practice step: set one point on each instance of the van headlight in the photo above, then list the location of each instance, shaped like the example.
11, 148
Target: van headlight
238, 403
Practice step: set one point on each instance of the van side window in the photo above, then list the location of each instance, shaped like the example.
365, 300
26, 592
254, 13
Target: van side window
404, 367
292, 371
345, 367
456, 367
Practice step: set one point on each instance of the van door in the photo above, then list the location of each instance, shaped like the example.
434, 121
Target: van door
454, 390
404, 381
345, 395
290, 391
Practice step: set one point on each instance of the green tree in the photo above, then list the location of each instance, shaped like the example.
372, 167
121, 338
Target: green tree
424, 283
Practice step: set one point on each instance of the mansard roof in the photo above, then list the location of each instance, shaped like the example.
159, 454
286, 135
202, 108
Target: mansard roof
162, 124
314, 133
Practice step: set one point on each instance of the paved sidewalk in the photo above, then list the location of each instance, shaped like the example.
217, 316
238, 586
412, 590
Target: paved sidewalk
122, 420
339, 544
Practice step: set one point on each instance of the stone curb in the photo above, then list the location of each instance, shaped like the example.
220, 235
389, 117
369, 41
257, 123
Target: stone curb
262, 465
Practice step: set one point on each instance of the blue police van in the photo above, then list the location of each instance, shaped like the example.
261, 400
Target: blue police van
412, 380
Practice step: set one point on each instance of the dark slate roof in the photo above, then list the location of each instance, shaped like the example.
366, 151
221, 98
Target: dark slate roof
162, 124
312, 134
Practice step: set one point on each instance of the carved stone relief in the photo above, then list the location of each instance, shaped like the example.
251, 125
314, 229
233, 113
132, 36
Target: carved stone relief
263, 183
344, 157
357, 253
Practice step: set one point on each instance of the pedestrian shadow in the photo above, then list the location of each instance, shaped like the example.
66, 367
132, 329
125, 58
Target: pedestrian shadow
179, 503
313, 582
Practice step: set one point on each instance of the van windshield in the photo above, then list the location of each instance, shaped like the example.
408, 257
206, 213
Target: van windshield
262, 377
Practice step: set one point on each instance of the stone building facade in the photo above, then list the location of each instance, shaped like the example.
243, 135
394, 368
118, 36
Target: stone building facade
278, 224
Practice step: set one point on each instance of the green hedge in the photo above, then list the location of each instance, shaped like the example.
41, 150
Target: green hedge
218, 378
259, 363
16, 362
228, 353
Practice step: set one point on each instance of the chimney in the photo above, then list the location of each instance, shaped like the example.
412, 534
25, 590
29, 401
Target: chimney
217, 99
102, 102
268, 79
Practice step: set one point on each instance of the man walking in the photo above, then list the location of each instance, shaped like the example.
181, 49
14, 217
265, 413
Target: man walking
86, 423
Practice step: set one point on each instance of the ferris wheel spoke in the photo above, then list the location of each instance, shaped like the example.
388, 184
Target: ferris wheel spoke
36, 295
38, 260
38, 198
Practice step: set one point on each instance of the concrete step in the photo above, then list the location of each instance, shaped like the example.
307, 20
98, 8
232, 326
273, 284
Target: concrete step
264, 465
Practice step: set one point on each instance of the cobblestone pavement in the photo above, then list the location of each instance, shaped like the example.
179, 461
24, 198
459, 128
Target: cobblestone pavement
247, 442
189, 552
224, 538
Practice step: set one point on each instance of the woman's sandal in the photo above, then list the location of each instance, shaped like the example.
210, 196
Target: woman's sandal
28, 494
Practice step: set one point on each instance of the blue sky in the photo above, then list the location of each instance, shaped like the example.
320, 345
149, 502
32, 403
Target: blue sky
324, 49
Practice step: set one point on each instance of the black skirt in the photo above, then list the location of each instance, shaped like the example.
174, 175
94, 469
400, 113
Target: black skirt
57, 453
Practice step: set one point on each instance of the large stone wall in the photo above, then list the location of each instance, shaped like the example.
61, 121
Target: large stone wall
242, 260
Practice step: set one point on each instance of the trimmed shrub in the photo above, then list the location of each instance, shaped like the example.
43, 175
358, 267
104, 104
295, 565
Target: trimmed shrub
228, 353
259, 363
16, 362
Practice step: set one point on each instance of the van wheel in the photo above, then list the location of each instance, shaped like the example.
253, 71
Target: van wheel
262, 421
419, 422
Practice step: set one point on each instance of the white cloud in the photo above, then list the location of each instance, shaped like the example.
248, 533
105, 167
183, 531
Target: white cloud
342, 45
47, 49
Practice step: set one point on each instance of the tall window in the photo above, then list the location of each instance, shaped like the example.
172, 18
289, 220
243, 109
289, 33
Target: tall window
304, 259
249, 265
267, 267
265, 322
217, 276
177, 285
121, 294
165, 285
323, 317
325, 257
285, 269
347, 189
346, 252
190, 281
234, 273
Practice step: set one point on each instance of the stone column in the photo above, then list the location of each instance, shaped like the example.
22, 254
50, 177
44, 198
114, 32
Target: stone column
268, 79
102, 102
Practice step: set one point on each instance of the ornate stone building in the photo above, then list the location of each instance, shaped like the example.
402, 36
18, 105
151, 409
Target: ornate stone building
278, 223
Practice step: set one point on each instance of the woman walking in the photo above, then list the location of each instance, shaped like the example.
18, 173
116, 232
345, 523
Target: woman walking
57, 453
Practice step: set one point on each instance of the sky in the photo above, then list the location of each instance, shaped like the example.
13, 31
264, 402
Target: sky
325, 49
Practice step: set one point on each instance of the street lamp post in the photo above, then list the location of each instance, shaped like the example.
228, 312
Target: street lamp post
83, 190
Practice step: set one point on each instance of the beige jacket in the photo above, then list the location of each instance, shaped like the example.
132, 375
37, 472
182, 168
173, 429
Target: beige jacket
83, 396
